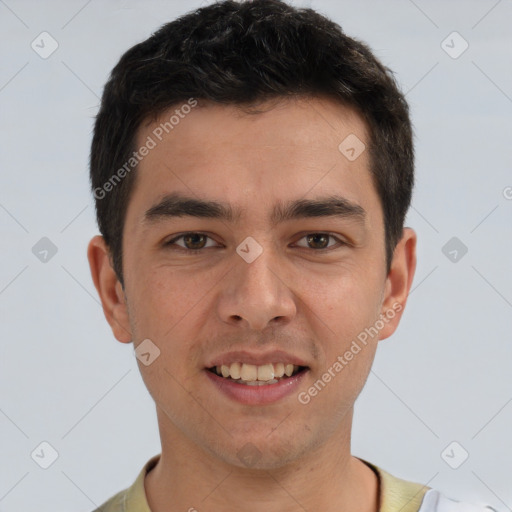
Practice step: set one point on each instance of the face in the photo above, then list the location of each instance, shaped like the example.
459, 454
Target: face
262, 289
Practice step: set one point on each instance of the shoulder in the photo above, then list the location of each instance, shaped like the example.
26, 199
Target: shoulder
133, 498
115, 504
434, 501
399, 494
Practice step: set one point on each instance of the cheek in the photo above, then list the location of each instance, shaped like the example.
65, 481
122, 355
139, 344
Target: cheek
165, 296
348, 350
170, 309
347, 304
164, 311
348, 309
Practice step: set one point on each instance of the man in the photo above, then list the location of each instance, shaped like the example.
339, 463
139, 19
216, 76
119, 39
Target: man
252, 168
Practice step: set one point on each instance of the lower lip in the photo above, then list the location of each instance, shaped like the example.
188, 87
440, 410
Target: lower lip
257, 395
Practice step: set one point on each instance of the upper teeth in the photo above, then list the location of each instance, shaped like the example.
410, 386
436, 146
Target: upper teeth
251, 372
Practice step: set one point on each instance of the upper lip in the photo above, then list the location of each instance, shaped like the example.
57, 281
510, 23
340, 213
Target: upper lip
256, 358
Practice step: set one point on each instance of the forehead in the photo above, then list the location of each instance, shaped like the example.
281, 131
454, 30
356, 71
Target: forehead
313, 122
292, 149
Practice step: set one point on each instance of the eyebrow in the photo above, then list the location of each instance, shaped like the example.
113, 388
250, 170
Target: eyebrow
177, 205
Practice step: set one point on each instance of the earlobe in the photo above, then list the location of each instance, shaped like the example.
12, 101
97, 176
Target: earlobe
109, 289
398, 282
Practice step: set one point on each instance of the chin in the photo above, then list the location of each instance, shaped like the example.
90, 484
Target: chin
262, 452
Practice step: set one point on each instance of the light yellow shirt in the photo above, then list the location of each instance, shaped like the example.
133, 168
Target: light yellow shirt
394, 493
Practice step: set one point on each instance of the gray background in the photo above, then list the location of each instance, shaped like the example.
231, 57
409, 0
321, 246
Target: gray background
443, 377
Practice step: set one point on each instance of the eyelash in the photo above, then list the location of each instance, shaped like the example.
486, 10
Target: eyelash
196, 251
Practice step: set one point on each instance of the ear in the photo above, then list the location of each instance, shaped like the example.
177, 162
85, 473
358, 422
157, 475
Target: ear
398, 283
109, 289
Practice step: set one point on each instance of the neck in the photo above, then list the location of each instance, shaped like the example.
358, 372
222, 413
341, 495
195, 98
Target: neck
327, 478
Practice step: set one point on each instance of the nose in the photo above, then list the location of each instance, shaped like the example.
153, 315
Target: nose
257, 294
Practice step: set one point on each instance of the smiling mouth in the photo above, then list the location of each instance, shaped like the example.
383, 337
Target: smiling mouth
254, 375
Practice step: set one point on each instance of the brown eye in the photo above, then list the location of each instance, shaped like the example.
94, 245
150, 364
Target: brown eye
320, 241
192, 242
